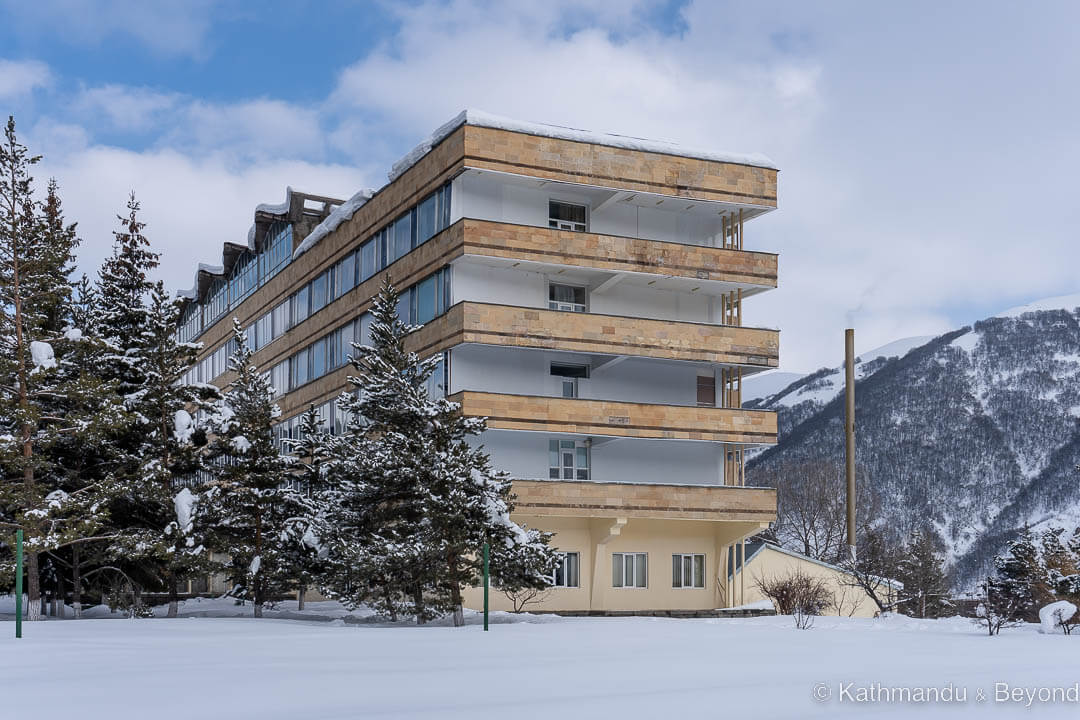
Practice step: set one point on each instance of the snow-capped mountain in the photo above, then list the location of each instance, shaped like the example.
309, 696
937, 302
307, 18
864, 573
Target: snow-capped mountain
974, 432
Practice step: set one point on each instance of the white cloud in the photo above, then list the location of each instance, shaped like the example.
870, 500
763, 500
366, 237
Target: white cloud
191, 204
19, 77
926, 177
168, 28
126, 108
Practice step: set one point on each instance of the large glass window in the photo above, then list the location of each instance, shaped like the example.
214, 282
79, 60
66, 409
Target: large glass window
444, 207
318, 359
301, 369
279, 378
363, 335
345, 275
688, 570
426, 299
426, 218
281, 319
437, 381
566, 572
318, 292
300, 307
368, 253
404, 306
402, 241
629, 570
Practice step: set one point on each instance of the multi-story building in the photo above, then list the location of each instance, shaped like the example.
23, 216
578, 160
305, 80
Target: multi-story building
585, 293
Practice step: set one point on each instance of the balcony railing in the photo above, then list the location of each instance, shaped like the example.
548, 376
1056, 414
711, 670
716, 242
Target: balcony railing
619, 419
568, 498
512, 326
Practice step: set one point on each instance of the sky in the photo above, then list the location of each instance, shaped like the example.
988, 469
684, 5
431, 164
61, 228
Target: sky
927, 149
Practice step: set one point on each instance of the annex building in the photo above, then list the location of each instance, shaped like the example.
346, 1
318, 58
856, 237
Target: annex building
585, 293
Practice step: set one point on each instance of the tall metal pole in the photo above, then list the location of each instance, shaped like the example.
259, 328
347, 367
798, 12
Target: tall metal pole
18, 583
849, 435
485, 587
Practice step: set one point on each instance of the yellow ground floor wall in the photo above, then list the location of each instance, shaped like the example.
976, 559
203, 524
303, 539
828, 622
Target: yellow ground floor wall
597, 539
771, 563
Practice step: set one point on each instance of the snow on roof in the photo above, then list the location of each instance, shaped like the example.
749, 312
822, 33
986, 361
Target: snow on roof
339, 215
480, 118
1061, 302
799, 556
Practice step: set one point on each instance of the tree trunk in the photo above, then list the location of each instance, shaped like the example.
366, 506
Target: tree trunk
455, 594
300, 597
61, 595
137, 603
418, 603
173, 599
258, 609
33, 588
76, 582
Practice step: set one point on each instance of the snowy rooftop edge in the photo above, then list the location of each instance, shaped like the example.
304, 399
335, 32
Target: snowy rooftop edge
479, 118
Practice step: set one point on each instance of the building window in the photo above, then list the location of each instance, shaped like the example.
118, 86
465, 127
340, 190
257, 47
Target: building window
629, 570
566, 572
568, 298
688, 571
568, 376
565, 216
706, 391
568, 460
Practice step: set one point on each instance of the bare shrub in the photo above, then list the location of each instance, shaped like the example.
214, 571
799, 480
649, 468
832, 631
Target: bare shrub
523, 597
797, 594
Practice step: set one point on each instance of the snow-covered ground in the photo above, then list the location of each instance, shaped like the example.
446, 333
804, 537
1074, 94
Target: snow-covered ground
525, 667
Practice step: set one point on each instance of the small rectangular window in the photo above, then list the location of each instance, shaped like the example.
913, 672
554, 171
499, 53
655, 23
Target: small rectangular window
318, 359
426, 218
367, 258
688, 570
565, 216
403, 234
318, 293
567, 571
345, 275
301, 368
629, 570
300, 307
426, 293
568, 298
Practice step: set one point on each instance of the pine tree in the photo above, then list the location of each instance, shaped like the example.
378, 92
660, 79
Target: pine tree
50, 405
1022, 577
169, 448
254, 504
415, 501
922, 571
313, 451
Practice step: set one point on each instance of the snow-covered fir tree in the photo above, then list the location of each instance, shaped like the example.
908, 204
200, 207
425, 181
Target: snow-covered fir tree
413, 501
169, 450
926, 584
1022, 577
257, 511
313, 451
51, 405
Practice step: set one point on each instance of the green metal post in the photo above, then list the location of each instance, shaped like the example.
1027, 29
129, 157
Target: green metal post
485, 587
18, 583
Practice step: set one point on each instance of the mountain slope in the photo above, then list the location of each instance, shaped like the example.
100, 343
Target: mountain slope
974, 433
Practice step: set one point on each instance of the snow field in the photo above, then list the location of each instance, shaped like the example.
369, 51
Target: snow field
525, 667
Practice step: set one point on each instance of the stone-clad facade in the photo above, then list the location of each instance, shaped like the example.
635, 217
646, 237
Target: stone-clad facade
586, 295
